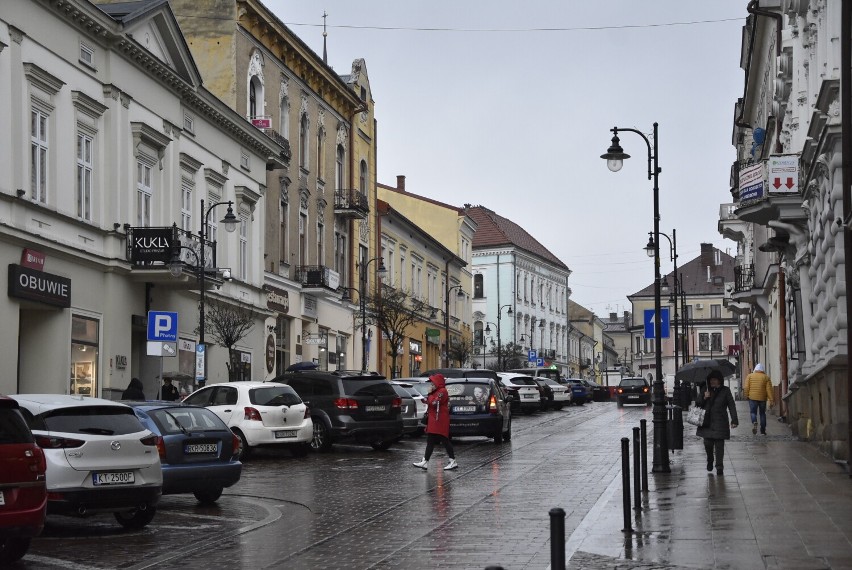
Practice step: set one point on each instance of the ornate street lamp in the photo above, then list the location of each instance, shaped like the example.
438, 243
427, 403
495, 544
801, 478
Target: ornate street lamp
615, 157
460, 295
362, 282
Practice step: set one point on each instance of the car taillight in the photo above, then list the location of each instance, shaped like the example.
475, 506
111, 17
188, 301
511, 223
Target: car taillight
307, 413
236, 444
492, 404
252, 414
151, 440
645, 389
38, 464
47, 442
346, 403
161, 448
621, 390
396, 403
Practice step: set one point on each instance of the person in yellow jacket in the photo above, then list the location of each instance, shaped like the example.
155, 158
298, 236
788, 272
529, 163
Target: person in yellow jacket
758, 391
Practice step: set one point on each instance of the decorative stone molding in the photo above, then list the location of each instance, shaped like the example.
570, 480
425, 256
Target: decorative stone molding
226, 166
321, 122
43, 80
364, 231
284, 189
284, 91
86, 105
171, 130
255, 67
143, 134
303, 107
213, 177
321, 204
248, 197
111, 91
304, 195
189, 163
125, 99
16, 34
342, 134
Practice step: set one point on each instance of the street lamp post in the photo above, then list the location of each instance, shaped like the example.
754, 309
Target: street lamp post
615, 157
176, 266
499, 341
673, 258
362, 301
447, 321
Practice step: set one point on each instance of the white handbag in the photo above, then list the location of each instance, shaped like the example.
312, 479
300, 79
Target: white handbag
695, 415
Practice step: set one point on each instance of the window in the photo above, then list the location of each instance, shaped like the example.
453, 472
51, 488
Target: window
716, 342
244, 248
362, 177
320, 244
245, 161
320, 152
253, 88
284, 122
283, 212
212, 231
391, 265
477, 333
38, 154
340, 255
84, 355
303, 141
403, 278
715, 311
87, 55
188, 123
303, 244
84, 176
143, 193
186, 204
339, 167
478, 286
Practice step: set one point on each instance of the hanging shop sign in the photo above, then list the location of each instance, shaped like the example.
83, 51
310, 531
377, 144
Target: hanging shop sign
151, 244
277, 299
270, 353
32, 259
33, 285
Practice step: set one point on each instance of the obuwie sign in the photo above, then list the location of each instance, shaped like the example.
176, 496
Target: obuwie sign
34, 285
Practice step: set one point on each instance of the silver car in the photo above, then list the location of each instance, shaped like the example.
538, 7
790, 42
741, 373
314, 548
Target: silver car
99, 457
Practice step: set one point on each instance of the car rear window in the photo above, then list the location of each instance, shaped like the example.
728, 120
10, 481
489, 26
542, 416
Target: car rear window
551, 382
401, 391
91, 420
171, 421
422, 388
367, 387
469, 392
633, 382
523, 381
274, 396
13, 428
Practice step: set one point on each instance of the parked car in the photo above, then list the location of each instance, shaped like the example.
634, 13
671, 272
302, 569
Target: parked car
560, 394
524, 389
349, 405
100, 458
261, 414
633, 391
418, 391
579, 392
408, 409
546, 393
598, 392
538, 372
23, 493
198, 452
476, 373
479, 408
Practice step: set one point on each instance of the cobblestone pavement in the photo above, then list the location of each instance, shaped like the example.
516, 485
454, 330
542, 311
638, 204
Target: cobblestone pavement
355, 508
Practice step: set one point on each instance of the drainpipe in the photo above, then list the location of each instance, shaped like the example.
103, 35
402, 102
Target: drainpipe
782, 340
846, 153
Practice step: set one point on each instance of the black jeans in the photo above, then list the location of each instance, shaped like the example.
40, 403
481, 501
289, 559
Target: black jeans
719, 446
432, 439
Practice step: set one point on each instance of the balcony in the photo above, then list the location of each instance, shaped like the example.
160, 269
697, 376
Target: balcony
351, 204
318, 279
773, 193
743, 279
730, 226
151, 257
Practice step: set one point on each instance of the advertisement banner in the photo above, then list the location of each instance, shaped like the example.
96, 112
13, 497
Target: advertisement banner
751, 182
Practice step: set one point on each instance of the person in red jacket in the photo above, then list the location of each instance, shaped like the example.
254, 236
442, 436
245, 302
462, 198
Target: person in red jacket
438, 422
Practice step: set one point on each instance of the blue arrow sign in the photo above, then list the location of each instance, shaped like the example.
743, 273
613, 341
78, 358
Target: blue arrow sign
664, 323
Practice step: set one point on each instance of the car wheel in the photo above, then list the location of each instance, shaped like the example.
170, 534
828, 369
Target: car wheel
648, 403
208, 496
321, 441
13, 548
557, 406
245, 448
300, 449
137, 518
508, 435
619, 403
382, 445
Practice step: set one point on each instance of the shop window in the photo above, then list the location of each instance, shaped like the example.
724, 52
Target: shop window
84, 356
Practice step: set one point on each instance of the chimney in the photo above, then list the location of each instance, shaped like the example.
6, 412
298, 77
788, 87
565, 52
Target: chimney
707, 257
613, 317
400, 182
627, 319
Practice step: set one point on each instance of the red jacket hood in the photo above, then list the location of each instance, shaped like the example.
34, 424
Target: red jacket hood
438, 380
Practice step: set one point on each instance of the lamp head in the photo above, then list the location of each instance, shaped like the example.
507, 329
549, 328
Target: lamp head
541, 324
664, 286
510, 311
176, 268
346, 297
230, 220
487, 329
460, 293
382, 269
615, 155
651, 247
523, 339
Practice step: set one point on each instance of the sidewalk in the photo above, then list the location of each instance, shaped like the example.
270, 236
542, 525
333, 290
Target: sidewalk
781, 504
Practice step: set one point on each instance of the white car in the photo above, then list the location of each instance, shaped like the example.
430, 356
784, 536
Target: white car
260, 414
561, 393
524, 390
99, 457
414, 391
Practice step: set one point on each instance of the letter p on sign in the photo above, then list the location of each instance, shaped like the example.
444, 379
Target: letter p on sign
162, 326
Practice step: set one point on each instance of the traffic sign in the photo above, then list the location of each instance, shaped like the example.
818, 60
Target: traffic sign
664, 323
539, 362
200, 373
531, 356
162, 326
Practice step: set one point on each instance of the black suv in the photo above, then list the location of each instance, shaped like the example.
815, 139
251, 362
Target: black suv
633, 391
348, 405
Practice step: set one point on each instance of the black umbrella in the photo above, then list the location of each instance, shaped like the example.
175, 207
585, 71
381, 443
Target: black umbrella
302, 366
697, 371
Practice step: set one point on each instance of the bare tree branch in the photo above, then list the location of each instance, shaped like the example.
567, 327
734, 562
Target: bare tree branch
393, 312
228, 325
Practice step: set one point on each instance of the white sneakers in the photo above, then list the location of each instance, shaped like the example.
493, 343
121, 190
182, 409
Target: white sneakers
423, 464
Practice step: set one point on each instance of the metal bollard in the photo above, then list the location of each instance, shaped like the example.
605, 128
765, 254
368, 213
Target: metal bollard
644, 429
625, 483
637, 498
557, 539
494, 568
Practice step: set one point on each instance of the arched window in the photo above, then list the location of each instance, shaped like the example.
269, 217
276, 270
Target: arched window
320, 152
478, 286
340, 168
303, 142
478, 339
252, 99
362, 179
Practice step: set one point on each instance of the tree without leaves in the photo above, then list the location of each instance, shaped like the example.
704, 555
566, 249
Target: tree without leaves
512, 356
461, 350
393, 311
228, 325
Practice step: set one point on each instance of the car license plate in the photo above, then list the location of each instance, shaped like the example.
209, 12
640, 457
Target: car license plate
121, 478
283, 434
374, 408
529, 395
201, 448
632, 397
2, 499
461, 409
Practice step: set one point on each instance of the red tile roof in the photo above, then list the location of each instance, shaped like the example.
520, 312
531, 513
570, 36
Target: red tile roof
694, 274
494, 230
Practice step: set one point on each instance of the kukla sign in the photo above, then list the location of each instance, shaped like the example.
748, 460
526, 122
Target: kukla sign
33, 285
151, 244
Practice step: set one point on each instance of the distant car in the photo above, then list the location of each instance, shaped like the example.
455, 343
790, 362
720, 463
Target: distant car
633, 391
349, 405
261, 414
560, 393
598, 392
23, 493
198, 452
579, 392
479, 408
418, 391
524, 389
100, 458
408, 409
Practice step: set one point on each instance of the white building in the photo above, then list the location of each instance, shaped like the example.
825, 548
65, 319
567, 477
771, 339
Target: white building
109, 131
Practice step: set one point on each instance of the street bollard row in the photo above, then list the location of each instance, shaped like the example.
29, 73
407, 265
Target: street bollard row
557, 541
640, 471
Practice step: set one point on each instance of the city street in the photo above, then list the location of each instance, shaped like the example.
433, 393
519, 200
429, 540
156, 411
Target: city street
356, 508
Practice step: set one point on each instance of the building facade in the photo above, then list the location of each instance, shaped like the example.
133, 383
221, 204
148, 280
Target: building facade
113, 144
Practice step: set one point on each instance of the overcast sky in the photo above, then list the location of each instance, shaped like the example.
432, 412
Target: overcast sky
516, 120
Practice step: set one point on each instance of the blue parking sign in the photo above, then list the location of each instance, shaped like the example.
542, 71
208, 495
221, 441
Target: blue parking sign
162, 326
531, 356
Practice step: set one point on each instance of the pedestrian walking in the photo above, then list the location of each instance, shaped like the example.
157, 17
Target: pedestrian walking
169, 391
438, 422
758, 391
717, 402
133, 390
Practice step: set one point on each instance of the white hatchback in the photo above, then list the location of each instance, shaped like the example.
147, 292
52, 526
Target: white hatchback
260, 414
99, 457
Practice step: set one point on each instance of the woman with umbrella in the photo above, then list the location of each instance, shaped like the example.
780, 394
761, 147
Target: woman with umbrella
717, 402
